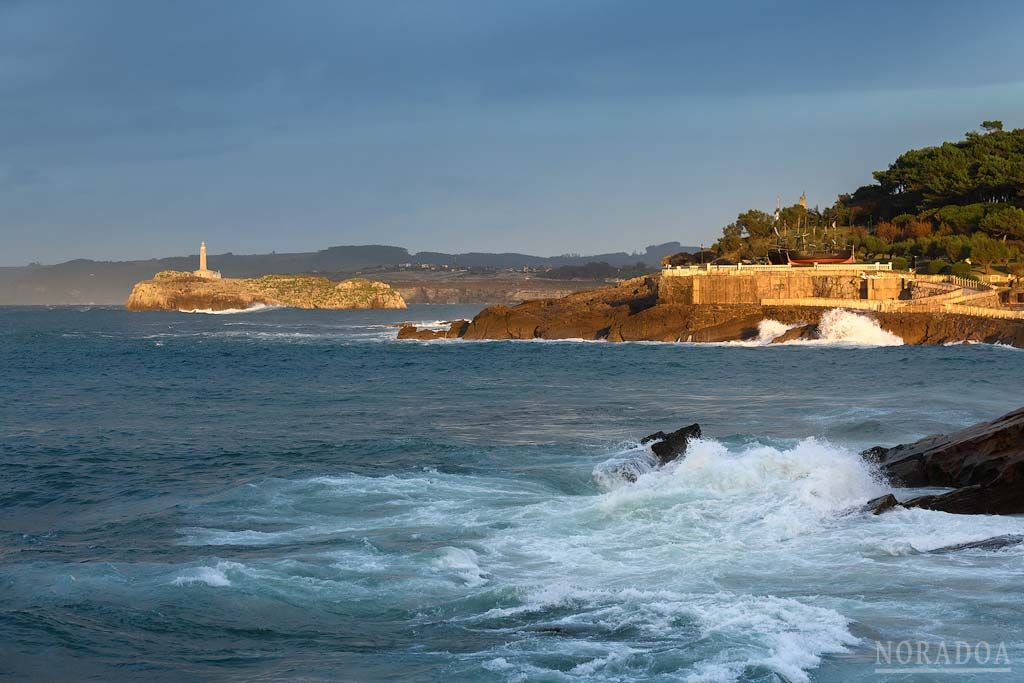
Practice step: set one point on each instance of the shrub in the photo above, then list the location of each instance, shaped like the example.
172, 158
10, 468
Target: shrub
937, 266
962, 269
899, 263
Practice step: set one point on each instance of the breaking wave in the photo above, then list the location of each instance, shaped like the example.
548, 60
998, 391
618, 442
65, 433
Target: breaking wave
255, 308
840, 326
837, 327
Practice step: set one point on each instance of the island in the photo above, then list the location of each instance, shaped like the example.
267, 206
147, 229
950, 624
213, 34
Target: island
206, 290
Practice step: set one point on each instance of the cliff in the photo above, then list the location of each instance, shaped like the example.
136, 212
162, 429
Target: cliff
649, 309
178, 291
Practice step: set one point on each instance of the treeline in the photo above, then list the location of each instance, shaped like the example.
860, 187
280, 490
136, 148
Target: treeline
957, 201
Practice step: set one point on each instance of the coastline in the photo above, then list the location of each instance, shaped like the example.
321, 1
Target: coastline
656, 308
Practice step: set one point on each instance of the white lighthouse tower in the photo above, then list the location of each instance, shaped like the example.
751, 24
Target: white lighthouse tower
203, 271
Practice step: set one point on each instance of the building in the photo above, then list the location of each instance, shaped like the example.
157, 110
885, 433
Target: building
203, 271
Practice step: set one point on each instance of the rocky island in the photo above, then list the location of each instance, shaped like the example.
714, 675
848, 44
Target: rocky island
207, 290
180, 291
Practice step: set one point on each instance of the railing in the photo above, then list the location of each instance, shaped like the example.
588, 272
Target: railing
853, 266
704, 269
984, 312
966, 283
861, 304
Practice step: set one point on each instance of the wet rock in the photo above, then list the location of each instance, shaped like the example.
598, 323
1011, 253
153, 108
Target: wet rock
994, 543
455, 330
877, 506
795, 333
985, 463
668, 447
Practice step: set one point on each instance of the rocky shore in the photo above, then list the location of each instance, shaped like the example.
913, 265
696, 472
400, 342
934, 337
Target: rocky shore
983, 465
647, 309
179, 291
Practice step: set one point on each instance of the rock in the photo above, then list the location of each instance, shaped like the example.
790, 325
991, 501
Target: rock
179, 291
997, 499
413, 332
877, 506
985, 463
994, 543
670, 446
456, 329
795, 333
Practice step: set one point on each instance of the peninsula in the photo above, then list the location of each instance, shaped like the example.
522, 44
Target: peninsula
205, 289
709, 303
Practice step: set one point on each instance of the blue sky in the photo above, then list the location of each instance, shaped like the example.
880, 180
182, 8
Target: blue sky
135, 128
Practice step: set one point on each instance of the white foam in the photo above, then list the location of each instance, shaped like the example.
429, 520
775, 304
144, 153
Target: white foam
769, 329
210, 576
842, 327
463, 563
231, 311
736, 557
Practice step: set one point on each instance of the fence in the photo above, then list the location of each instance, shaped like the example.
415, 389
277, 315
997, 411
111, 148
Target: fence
984, 312
860, 304
708, 268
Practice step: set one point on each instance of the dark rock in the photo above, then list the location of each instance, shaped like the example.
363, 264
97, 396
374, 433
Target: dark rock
670, 446
458, 328
455, 330
997, 499
881, 504
994, 543
799, 332
985, 463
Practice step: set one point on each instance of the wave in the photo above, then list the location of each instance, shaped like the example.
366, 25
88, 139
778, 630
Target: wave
255, 308
994, 345
840, 326
837, 327
729, 558
209, 576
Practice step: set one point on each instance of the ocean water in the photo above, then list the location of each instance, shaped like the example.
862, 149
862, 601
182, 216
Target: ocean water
293, 495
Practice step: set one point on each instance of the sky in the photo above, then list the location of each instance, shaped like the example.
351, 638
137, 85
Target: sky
136, 128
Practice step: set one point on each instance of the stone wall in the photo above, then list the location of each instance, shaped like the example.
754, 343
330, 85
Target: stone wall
752, 288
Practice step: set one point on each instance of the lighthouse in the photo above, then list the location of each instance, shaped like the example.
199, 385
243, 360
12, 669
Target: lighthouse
203, 271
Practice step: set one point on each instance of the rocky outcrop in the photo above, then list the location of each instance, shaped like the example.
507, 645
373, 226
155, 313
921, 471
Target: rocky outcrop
649, 309
984, 463
178, 291
456, 329
668, 447
877, 506
994, 543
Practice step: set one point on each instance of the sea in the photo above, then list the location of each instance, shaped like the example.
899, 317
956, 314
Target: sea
285, 495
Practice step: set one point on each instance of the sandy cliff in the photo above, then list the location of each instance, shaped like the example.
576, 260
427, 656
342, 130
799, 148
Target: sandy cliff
178, 291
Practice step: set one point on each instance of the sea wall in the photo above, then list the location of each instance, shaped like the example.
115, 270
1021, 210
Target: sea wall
756, 286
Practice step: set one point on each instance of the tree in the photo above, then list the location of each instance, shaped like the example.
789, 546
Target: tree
755, 223
919, 228
887, 232
992, 126
1006, 221
986, 251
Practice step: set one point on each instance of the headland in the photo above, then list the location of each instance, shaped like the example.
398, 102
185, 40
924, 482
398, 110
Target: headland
709, 303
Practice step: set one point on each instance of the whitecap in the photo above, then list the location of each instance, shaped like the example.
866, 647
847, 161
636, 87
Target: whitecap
255, 308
